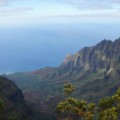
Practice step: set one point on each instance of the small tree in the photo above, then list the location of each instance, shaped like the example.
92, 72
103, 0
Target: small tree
73, 108
68, 89
109, 108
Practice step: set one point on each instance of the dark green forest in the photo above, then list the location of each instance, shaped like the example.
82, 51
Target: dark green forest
69, 108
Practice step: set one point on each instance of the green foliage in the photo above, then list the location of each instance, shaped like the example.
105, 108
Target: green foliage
105, 104
68, 89
74, 108
12, 103
108, 114
91, 107
109, 108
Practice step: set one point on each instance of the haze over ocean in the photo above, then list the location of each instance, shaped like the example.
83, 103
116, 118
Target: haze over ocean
32, 47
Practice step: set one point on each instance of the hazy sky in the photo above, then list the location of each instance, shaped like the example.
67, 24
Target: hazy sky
17, 12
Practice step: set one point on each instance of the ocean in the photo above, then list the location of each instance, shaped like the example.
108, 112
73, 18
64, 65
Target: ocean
27, 48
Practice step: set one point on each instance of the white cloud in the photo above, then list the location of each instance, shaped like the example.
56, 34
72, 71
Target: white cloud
58, 10
81, 4
91, 4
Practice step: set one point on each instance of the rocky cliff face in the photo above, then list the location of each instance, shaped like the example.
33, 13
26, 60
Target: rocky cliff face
94, 70
13, 101
104, 56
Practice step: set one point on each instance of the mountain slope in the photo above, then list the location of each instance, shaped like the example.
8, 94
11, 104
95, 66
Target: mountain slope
13, 101
94, 70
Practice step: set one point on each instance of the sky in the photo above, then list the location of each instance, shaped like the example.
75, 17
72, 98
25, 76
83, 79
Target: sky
20, 12
38, 29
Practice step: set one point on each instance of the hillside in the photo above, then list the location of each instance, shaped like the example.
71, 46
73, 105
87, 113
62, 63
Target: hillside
94, 70
13, 102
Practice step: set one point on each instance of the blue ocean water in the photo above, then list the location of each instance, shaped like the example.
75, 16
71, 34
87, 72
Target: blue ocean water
28, 48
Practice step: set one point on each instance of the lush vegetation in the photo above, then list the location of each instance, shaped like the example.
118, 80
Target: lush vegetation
1, 108
12, 103
69, 108
95, 71
74, 109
